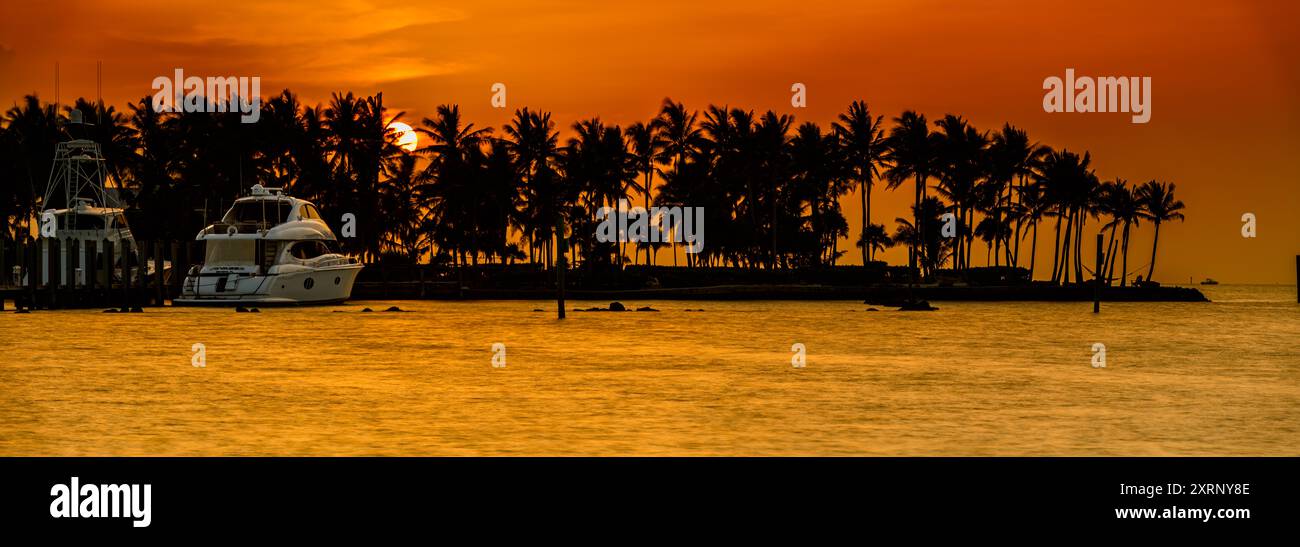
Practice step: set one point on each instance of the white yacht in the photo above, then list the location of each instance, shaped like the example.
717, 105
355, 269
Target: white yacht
269, 249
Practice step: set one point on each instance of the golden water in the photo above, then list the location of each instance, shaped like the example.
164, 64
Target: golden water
971, 379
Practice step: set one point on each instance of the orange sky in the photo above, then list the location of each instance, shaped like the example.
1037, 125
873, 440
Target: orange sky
1225, 111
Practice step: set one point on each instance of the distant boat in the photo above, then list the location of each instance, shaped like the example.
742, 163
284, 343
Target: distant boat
1209, 281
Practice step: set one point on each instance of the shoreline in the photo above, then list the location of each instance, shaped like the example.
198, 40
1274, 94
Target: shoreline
883, 295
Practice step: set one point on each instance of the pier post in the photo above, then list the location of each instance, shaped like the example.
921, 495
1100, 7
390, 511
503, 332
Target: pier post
126, 275
177, 272
107, 254
70, 253
90, 268
559, 265
33, 272
52, 271
158, 270
1096, 291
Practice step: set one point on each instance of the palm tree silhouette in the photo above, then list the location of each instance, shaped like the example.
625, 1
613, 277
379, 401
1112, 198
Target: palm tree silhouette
1159, 206
865, 142
912, 150
1126, 211
875, 238
644, 149
532, 139
453, 149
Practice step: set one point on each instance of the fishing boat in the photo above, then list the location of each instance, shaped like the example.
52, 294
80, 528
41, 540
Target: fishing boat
80, 205
1209, 281
269, 248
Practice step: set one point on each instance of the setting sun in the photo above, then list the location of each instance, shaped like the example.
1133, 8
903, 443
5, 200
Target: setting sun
407, 138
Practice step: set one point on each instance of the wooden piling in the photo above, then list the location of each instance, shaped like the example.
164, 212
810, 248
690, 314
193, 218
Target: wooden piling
559, 265
69, 256
4, 266
177, 272
126, 275
33, 272
52, 267
1096, 290
91, 271
160, 294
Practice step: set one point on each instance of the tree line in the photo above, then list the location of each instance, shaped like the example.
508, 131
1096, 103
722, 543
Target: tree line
770, 187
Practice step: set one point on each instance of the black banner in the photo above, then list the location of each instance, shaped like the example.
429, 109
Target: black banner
175, 497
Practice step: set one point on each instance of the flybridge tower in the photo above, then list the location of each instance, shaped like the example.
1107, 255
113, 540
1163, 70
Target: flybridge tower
78, 174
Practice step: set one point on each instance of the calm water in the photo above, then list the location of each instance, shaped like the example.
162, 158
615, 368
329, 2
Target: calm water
970, 379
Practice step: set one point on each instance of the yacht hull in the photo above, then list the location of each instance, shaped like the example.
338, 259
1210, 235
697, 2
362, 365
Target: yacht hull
305, 287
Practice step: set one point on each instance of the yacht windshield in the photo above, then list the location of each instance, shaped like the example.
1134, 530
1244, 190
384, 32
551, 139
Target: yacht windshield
81, 222
235, 252
273, 212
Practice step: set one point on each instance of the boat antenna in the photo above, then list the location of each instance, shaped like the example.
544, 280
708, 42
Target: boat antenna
99, 91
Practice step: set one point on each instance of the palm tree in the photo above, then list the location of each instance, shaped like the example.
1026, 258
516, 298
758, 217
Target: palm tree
644, 149
933, 249
451, 193
961, 154
1012, 158
1158, 206
677, 136
1033, 206
819, 177
865, 149
1125, 210
875, 238
534, 143
911, 155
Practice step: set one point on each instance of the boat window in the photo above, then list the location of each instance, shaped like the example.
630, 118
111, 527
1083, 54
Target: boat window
306, 250
81, 222
272, 211
234, 252
314, 212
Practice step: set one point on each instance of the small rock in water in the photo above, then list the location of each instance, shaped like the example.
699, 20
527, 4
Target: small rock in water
646, 308
110, 310
137, 309
24, 310
254, 310
872, 309
366, 310
918, 305
538, 309
617, 306
241, 309
393, 308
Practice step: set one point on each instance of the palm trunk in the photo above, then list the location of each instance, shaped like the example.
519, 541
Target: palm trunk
866, 215
1033, 250
1123, 279
1056, 247
1155, 241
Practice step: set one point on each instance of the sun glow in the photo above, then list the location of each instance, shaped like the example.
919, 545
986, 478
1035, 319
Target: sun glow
407, 138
